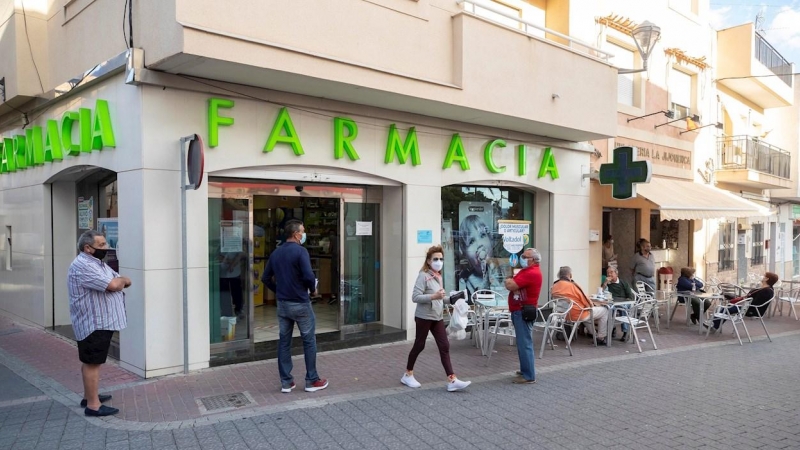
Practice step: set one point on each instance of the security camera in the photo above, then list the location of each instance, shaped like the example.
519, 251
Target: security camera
298, 188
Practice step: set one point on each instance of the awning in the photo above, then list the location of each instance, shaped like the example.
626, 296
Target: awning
684, 200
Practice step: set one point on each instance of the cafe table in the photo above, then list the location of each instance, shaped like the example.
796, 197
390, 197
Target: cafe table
701, 296
613, 306
487, 307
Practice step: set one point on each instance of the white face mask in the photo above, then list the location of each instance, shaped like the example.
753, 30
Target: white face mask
523, 262
437, 265
303, 239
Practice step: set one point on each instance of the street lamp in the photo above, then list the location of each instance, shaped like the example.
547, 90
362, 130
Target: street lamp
645, 35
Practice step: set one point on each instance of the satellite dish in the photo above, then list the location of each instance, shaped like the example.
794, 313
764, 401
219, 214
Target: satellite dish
195, 161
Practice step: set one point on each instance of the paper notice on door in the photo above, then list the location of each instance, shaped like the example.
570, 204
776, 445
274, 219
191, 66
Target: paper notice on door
363, 228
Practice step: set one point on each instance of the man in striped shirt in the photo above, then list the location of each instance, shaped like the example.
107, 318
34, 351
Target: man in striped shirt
97, 309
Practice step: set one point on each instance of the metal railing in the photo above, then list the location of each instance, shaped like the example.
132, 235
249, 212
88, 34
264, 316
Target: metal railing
767, 55
589, 49
748, 152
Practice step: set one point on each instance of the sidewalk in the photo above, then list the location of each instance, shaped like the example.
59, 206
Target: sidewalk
175, 401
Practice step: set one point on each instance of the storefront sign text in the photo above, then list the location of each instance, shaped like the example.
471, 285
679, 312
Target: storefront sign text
38, 146
398, 147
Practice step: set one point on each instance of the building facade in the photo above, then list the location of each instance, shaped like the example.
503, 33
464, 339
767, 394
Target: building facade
386, 126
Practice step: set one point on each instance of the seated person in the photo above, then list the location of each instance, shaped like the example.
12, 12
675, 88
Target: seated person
760, 296
567, 288
621, 292
687, 282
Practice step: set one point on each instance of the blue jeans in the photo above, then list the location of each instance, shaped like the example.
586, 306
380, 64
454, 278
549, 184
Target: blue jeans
524, 332
290, 313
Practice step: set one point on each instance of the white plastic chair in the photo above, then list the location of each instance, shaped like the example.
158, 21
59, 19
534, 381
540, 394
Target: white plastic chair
554, 323
639, 317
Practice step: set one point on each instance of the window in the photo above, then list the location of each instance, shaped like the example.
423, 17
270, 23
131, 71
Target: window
474, 252
726, 244
680, 90
625, 59
757, 252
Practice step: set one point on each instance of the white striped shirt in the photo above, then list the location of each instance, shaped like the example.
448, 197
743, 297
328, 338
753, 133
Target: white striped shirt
91, 306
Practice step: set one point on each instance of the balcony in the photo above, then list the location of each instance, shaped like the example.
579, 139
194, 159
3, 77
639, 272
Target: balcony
750, 66
746, 161
433, 57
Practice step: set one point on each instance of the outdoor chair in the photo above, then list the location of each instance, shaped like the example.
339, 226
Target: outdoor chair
757, 311
588, 322
644, 289
730, 291
737, 316
554, 323
792, 299
502, 327
639, 317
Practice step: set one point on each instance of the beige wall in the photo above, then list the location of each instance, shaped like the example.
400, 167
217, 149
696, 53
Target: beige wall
425, 57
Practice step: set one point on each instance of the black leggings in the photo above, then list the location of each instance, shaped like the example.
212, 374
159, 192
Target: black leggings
436, 327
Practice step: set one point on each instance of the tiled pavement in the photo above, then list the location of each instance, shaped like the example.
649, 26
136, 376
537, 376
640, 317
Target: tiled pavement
50, 362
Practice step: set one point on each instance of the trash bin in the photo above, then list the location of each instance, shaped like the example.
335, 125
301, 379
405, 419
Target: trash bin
665, 279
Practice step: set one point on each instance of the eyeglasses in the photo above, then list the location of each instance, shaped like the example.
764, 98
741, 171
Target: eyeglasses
437, 259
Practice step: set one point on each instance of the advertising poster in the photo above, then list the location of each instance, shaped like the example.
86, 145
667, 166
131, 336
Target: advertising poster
85, 213
481, 263
110, 229
515, 233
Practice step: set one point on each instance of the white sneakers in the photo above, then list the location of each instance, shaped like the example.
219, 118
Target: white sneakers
452, 386
410, 381
457, 385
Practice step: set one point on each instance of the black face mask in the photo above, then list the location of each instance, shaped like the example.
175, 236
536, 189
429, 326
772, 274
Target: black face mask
99, 253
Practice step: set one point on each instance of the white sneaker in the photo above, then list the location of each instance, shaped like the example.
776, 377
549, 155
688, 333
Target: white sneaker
410, 381
457, 385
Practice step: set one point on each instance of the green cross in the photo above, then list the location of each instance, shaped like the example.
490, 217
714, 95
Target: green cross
624, 172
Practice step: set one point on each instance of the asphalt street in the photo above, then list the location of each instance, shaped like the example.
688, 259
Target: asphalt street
718, 397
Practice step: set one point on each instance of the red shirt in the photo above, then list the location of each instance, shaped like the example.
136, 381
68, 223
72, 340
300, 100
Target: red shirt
529, 280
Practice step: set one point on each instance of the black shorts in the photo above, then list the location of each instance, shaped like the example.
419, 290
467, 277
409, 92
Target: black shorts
94, 349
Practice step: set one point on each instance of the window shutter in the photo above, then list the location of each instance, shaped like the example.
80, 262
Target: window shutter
680, 88
623, 58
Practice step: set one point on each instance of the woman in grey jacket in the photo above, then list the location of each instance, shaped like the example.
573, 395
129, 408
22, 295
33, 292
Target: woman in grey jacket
429, 296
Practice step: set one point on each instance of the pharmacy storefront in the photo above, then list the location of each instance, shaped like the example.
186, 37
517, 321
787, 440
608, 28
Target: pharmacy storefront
375, 188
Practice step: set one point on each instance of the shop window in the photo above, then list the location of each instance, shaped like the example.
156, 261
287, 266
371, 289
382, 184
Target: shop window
726, 245
472, 219
663, 233
680, 92
796, 248
757, 250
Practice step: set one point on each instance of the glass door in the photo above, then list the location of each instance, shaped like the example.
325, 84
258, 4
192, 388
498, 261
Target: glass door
360, 266
230, 262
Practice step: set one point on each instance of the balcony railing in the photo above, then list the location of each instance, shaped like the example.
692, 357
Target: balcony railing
767, 55
748, 152
529, 28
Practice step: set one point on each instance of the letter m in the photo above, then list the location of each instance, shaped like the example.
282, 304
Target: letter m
403, 150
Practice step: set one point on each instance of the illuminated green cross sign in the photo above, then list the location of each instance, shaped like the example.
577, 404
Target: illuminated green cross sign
625, 172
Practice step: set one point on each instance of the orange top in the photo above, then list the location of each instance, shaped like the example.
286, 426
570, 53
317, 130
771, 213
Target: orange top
572, 291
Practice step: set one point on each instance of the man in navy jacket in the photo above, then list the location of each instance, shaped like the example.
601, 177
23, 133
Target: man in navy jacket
289, 275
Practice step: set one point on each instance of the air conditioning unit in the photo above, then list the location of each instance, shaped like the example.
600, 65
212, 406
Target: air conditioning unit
742, 224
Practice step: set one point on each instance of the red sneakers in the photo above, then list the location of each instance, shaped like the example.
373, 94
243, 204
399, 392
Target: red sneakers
317, 385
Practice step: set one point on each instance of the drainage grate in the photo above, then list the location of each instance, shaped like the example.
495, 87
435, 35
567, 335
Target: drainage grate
224, 402
10, 331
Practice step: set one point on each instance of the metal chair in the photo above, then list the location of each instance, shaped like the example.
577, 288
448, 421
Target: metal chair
502, 327
792, 299
757, 310
587, 321
723, 312
639, 317
554, 323
479, 317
